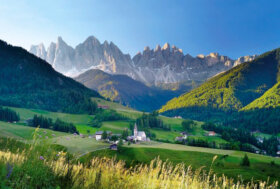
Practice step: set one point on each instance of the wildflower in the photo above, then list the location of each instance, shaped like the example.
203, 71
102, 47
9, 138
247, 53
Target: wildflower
75, 134
10, 170
40, 136
42, 158
53, 134
47, 137
67, 138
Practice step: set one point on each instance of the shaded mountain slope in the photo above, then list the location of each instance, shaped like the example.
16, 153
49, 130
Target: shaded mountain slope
30, 82
126, 90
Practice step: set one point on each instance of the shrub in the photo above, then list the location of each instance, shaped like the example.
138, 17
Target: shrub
245, 161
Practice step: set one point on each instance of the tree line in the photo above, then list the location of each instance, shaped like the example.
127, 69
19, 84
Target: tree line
106, 115
9, 115
243, 139
151, 120
48, 123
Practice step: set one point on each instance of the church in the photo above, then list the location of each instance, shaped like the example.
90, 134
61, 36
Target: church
138, 135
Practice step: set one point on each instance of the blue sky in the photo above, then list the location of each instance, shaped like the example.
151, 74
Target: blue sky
230, 27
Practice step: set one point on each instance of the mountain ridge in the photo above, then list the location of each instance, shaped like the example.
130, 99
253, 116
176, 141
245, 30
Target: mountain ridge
167, 64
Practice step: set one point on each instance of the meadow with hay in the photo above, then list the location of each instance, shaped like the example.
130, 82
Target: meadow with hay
41, 165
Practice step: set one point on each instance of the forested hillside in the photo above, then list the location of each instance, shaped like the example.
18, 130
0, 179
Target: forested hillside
28, 81
230, 91
270, 99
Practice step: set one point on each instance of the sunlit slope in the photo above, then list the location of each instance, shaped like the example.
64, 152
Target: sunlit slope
233, 89
270, 99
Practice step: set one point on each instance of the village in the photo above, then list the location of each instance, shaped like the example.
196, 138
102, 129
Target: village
118, 139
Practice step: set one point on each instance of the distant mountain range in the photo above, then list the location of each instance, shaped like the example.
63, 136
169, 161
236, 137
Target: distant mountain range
128, 91
153, 66
30, 82
254, 85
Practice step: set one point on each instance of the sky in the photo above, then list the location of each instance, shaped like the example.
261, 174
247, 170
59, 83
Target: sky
231, 27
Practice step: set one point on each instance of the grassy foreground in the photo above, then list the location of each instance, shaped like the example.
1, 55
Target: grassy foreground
41, 167
229, 165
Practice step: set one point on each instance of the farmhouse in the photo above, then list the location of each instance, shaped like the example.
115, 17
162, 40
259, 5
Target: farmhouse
114, 147
260, 139
98, 134
179, 139
211, 133
178, 117
184, 135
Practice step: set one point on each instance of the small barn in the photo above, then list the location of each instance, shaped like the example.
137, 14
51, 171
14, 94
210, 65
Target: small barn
113, 147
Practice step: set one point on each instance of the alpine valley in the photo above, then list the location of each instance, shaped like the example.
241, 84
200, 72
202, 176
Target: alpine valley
154, 75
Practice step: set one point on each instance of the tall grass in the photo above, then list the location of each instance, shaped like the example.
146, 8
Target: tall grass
42, 167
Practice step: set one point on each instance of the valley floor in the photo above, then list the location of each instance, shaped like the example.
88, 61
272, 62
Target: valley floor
84, 148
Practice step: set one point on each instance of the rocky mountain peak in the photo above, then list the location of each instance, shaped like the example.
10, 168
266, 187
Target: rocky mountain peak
166, 46
214, 54
39, 50
92, 40
60, 40
158, 48
156, 66
201, 56
106, 44
147, 48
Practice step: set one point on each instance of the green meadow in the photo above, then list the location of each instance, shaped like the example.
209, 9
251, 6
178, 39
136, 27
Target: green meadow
85, 148
260, 168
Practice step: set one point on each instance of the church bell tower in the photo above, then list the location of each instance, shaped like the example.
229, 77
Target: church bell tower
135, 130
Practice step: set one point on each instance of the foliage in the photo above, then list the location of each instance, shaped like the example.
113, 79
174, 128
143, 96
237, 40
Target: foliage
106, 115
104, 135
245, 161
64, 127
125, 134
42, 168
28, 81
239, 138
188, 125
48, 123
246, 96
151, 120
234, 89
264, 120
7, 114
270, 145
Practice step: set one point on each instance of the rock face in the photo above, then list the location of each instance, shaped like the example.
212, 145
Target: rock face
152, 66
39, 51
87, 55
169, 65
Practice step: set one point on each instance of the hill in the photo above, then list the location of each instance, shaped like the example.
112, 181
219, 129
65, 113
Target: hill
126, 90
270, 99
30, 82
229, 91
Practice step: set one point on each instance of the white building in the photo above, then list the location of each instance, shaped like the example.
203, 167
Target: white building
138, 135
98, 134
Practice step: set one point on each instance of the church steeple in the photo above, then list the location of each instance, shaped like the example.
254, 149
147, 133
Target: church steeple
135, 130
